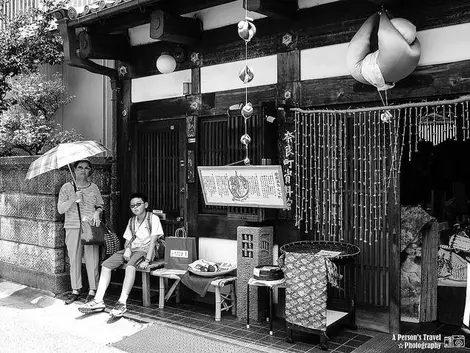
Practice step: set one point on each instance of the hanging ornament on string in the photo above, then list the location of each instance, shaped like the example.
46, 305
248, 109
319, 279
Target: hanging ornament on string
247, 110
246, 31
395, 56
246, 74
245, 139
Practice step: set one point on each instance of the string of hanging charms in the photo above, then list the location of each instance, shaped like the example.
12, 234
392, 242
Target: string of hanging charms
348, 163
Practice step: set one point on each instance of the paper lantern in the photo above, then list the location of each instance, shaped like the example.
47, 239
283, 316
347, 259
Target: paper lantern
166, 63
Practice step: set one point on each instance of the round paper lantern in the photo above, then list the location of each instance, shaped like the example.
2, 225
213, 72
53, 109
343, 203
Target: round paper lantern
166, 63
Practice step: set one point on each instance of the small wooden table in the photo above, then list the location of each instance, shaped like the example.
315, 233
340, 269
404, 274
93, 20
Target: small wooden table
270, 285
165, 274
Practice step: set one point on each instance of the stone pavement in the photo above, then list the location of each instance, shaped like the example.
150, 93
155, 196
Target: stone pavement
34, 321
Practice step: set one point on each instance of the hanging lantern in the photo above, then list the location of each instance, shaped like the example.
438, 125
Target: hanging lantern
166, 63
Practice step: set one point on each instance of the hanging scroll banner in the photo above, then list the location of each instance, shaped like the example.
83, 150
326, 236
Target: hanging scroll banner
247, 186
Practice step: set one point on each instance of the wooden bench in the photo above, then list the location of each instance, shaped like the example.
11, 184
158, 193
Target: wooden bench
216, 250
146, 278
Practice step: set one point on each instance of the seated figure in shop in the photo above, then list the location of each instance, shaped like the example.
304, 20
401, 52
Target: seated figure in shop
144, 231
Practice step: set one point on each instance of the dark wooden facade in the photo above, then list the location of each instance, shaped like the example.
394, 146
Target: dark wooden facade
217, 134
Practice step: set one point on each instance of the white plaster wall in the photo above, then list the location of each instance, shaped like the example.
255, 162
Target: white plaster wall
90, 111
223, 15
224, 77
218, 250
159, 86
438, 45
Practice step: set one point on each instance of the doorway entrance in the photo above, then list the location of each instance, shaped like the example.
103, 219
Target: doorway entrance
159, 169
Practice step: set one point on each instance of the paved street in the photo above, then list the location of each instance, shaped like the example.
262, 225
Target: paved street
33, 321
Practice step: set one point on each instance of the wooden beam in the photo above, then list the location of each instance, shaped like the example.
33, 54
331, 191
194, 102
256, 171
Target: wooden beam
184, 6
159, 109
434, 81
69, 38
102, 46
279, 9
173, 28
288, 66
218, 102
116, 25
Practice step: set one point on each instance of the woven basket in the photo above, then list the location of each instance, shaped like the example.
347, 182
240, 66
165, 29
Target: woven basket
312, 246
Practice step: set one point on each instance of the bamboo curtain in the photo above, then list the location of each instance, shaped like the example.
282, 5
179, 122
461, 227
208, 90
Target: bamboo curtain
347, 175
348, 162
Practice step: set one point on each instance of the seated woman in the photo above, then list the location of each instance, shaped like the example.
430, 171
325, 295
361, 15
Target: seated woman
143, 232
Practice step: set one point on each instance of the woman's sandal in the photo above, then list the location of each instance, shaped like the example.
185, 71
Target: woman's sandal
72, 297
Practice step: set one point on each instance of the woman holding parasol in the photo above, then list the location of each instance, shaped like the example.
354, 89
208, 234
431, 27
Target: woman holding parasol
86, 196
80, 193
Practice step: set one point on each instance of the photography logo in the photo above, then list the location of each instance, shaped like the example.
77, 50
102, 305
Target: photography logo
454, 341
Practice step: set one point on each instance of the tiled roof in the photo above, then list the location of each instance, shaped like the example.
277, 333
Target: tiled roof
77, 12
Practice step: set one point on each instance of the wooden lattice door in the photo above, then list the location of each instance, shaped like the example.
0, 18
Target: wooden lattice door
158, 168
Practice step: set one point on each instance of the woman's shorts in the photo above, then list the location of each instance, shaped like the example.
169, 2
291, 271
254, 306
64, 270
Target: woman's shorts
117, 259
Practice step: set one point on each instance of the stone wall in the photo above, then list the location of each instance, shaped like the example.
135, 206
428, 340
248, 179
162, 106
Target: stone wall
32, 238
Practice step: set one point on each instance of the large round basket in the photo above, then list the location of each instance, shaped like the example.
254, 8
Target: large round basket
346, 250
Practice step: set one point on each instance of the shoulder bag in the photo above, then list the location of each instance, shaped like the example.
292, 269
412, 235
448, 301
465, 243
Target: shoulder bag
90, 234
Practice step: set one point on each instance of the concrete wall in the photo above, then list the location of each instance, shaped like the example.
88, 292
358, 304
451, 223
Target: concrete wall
32, 239
90, 111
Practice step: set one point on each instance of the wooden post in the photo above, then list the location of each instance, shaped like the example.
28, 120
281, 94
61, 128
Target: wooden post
192, 200
124, 156
115, 180
394, 229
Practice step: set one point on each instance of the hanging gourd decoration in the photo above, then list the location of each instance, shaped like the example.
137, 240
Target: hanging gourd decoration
246, 74
396, 57
246, 29
247, 110
245, 139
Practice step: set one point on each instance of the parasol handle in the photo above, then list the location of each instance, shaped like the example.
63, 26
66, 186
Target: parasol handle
73, 177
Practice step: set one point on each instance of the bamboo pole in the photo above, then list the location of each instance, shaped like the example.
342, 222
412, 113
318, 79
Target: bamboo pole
392, 107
